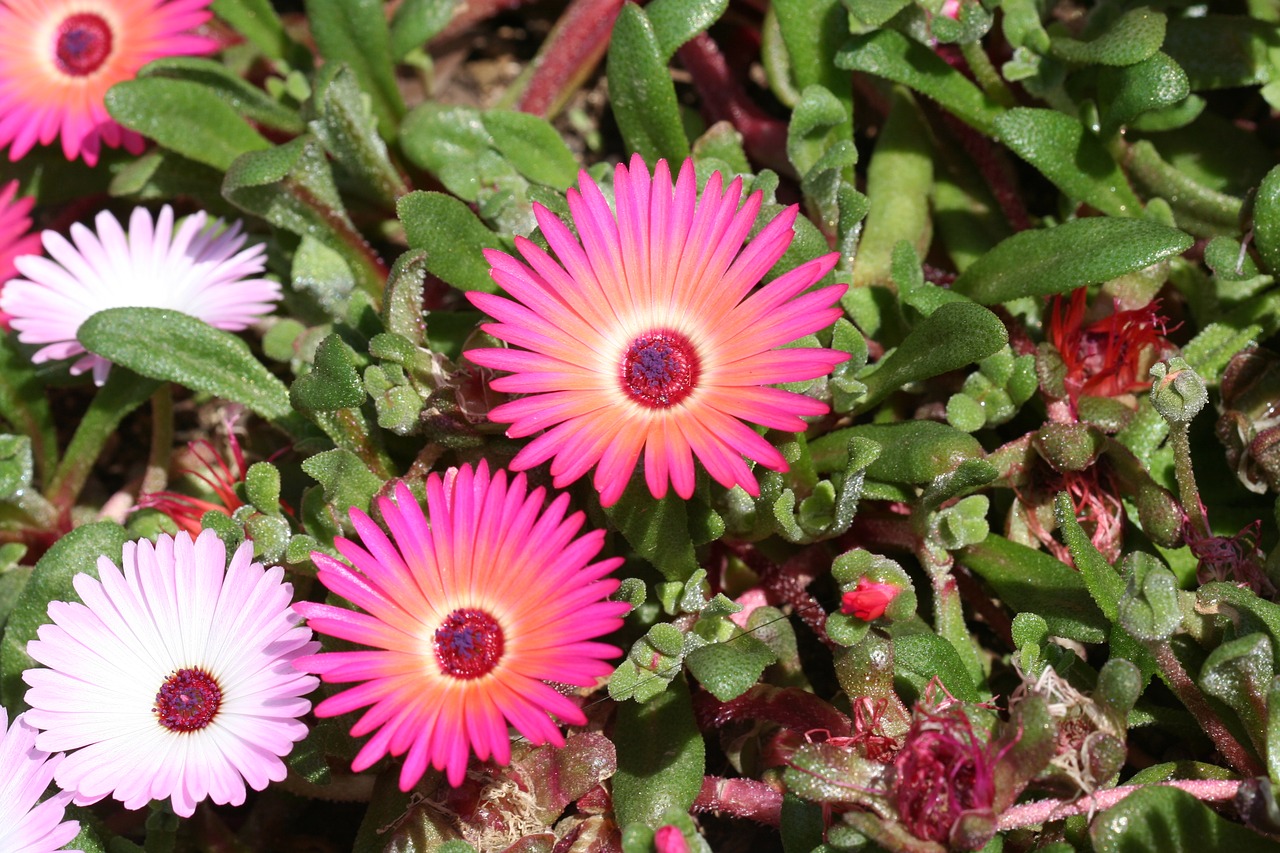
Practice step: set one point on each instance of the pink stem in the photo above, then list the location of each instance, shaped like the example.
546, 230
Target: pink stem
569, 55
740, 798
1044, 811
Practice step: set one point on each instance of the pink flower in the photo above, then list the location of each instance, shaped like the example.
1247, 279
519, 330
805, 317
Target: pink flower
669, 839
25, 773
869, 599
15, 223
58, 58
199, 269
646, 337
470, 610
174, 679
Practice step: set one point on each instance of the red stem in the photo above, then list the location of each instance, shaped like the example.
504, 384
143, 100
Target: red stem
569, 55
740, 798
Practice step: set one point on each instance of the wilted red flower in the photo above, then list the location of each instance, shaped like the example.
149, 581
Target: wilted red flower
944, 781
1109, 356
869, 599
185, 510
1235, 559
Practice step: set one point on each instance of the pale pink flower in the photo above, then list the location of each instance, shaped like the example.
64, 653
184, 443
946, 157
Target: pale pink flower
199, 269
58, 58
25, 773
174, 679
646, 337
470, 609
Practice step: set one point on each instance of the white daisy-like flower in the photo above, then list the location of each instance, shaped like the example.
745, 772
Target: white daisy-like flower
174, 679
200, 269
25, 773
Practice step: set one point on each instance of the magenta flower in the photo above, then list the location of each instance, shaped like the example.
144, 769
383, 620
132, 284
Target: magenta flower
470, 610
199, 269
58, 58
25, 773
944, 781
15, 236
174, 679
646, 337
869, 599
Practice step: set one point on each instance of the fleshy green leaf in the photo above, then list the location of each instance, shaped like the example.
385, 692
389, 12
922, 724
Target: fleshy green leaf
918, 658
1071, 255
77, 551
641, 92
1126, 93
453, 239
346, 128
911, 451
533, 146
1222, 51
676, 21
346, 481
356, 32
1129, 39
176, 347
243, 97
657, 529
728, 669
1171, 821
890, 54
257, 21
416, 21
1266, 220
332, 383
185, 117
1075, 160
661, 757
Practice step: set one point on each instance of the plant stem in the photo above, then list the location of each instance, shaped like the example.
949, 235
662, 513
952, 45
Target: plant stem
740, 798
1044, 811
1188, 491
157, 475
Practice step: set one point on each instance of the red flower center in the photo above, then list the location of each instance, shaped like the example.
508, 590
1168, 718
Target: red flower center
83, 44
659, 369
188, 701
469, 644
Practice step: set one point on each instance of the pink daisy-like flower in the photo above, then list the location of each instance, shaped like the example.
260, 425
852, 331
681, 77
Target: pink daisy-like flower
646, 337
25, 773
174, 679
470, 614
198, 269
58, 58
15, 236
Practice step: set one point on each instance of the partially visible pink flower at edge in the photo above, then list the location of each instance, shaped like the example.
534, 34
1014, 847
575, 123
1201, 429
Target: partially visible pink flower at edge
669, 839
869, 599
15, 235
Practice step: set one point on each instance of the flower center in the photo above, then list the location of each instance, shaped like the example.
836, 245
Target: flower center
83, 44
659, 369
469, 644
188, 701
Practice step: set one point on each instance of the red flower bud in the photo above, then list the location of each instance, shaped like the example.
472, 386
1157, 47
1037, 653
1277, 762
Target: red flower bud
869, 599
669, 839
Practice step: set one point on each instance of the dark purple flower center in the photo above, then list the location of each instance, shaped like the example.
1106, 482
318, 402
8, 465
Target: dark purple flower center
83, 44
659, 369
188, 701
469, 643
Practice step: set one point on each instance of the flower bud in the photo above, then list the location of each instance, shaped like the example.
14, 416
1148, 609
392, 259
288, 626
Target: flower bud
869, 599
1178, 392
669, 839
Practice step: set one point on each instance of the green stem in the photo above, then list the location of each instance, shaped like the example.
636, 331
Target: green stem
1188, 491
123, 393
986, 74
157, 475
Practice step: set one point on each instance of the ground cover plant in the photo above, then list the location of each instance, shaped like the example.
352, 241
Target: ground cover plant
574, 425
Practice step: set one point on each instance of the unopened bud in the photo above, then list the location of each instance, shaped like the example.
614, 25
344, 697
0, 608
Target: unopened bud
1178, 392
869, 599
669, 839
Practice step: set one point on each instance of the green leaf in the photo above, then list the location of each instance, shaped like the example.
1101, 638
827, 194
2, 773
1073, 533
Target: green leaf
1222, 51
918, 658
243, 97
533, 146
1266, 220
1239, 672
1027, 580
355, 32
347, 482
674, 22
954, 335
291, 186
1126, 93
453, 237
185, 117
77, 551
729, 669
1071, 255
176, 347
1073, 159
1171, 821
25, 406
661, 758
448, 141
890, 54
641, 91
347, 129
657, 529
1246, 610
417, 21
911, 451
402, 306
332, 382
1131, 38
16, 466
813, 31
257, 21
